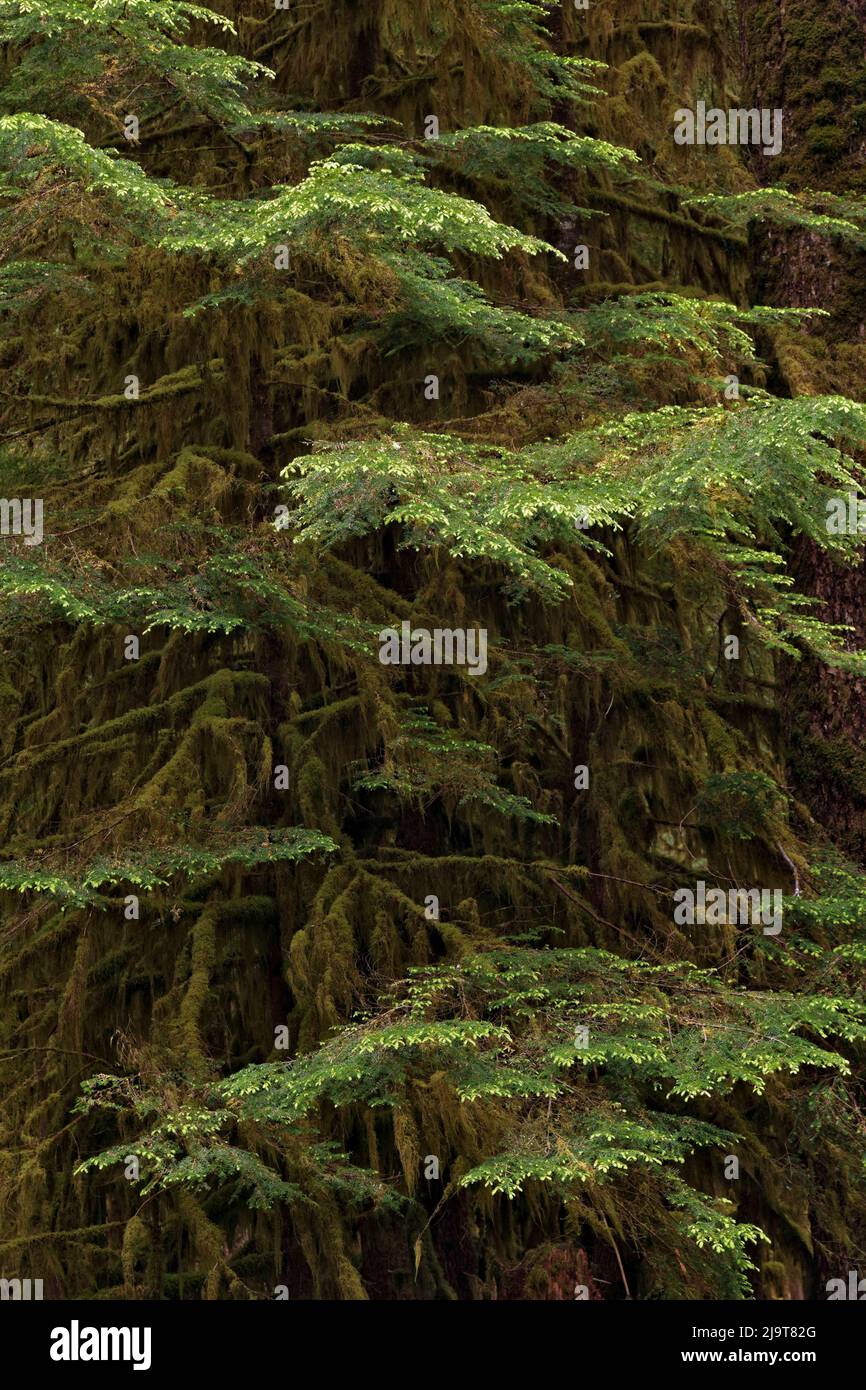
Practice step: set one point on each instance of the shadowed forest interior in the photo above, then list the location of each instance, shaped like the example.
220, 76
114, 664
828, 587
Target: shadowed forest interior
342, 960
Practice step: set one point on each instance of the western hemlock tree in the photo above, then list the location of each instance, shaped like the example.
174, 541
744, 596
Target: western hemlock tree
279, 251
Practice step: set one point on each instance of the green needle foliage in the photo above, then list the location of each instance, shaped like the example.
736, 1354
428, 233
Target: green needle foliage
120, 44
518, 1031
306, 959
154, 868
843, 219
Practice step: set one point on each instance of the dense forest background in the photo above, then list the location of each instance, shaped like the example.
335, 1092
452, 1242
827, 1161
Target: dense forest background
350, 980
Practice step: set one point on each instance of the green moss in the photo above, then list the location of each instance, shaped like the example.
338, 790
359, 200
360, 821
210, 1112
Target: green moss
626, 676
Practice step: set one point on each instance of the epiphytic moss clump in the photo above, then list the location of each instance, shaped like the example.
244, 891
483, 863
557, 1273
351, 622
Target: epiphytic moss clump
299, 949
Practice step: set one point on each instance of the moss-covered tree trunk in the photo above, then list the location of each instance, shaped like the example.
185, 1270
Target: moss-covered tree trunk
340, 800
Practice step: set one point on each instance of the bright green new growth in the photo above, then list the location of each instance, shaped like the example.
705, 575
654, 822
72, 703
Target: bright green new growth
521, 1029
276, 495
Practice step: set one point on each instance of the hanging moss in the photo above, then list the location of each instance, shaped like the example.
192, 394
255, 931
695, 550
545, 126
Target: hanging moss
175, 493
